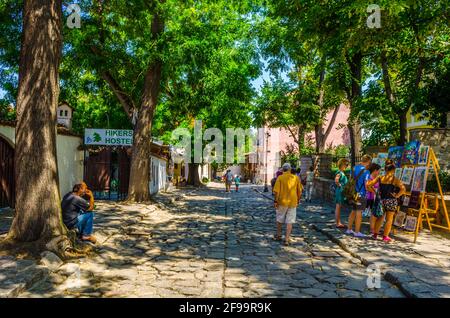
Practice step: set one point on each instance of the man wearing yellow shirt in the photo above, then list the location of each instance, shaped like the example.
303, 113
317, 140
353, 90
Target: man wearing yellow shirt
287, 191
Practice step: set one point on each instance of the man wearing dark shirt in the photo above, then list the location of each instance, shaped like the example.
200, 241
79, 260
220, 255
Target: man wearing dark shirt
77, 211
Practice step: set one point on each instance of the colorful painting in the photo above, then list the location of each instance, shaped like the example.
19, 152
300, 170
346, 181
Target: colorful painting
400, 219
396, 154
383, 155
378, 161
398, 173
407, 175
410, 223
423, 155
419, 182
411, 153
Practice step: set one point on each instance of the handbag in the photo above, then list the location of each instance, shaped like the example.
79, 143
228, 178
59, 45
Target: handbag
378, 210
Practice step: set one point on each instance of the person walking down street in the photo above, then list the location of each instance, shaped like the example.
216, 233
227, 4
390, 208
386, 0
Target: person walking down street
340, 180
77, 211
374, 170
237, 182
287, 190
228, 180
309, 183
391, 189
361, 175
274, 179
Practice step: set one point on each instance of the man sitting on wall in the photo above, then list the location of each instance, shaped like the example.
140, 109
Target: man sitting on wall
77, 211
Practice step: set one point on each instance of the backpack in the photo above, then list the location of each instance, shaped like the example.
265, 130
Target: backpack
333, 186
349, 190
272, 182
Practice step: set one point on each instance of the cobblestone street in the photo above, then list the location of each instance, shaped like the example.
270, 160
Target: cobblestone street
206, 243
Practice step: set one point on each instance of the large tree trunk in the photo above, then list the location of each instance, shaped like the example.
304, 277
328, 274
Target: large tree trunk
193, 177
355, 64
138, 190
38, 209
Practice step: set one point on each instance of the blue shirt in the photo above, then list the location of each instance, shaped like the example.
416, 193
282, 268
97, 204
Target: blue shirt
360, 185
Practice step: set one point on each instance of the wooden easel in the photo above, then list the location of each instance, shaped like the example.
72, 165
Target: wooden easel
423, 209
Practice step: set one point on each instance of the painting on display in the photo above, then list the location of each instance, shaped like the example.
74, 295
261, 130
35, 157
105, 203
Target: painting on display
400, 219
419, 181
414, 200
398, 173
378, 161
410, 223
411, 153
407, 175
423, 155
396, 154
406, 200
383, 155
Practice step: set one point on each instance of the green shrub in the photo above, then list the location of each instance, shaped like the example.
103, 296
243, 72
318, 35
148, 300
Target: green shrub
205, 180
444, 178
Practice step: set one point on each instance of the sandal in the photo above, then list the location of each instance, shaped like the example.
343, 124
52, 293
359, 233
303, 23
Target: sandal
340, 226
287, 243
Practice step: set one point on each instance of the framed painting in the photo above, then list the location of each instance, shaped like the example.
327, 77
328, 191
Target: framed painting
411, 153
407, 175
419, 182
406, 200
400, 219
398, 173
414, 200
396, 153
423, 155
410, 223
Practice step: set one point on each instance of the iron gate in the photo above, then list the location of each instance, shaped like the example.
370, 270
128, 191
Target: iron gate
107, 173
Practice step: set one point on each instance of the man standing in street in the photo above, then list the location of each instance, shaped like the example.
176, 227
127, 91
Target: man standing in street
287, 191
360, 174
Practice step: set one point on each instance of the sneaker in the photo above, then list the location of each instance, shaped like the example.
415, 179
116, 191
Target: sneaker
387, 239
349, 232
374, 236
360, 235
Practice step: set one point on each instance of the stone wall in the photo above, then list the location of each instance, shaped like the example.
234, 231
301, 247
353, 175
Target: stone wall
438, 139
322, 189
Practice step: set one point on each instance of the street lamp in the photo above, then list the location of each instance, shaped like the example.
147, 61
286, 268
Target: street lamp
266, 188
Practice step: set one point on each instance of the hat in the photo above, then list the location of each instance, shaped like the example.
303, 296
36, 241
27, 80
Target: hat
286, 166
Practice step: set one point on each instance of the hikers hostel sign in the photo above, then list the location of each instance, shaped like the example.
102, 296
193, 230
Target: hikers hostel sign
108, 137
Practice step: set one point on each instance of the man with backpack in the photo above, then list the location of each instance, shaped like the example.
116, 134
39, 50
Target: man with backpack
355, 193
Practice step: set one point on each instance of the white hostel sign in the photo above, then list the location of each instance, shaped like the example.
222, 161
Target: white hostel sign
108, 137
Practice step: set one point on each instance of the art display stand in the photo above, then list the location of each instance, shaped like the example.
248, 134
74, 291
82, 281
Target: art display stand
423, 209
423, 212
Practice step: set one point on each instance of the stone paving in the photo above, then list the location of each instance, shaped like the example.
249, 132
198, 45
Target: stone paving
420, 270
204, 243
